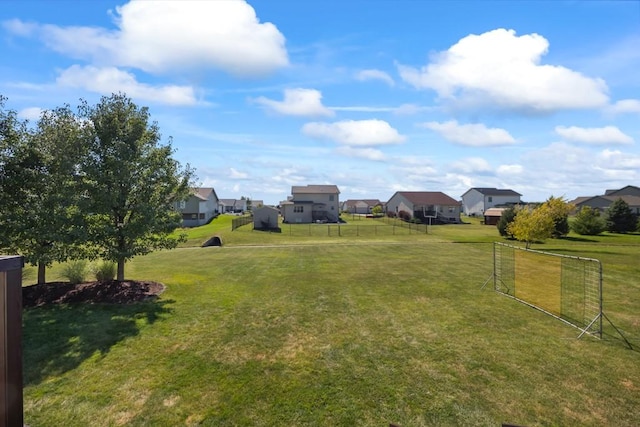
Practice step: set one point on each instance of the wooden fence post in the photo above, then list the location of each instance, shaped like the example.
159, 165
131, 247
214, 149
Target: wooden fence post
11, 405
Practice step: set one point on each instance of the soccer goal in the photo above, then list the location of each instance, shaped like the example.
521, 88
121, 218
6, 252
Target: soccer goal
566, 287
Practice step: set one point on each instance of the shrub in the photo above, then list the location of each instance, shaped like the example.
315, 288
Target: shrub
391, 214
508, 215
75, 271
588, 222
404, 215
105, 271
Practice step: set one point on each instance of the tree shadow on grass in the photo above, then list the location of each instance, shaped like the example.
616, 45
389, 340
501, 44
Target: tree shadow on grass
58, 338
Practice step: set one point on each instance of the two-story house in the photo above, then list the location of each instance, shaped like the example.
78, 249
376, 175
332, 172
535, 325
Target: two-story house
311, 203
476, 201
199, 208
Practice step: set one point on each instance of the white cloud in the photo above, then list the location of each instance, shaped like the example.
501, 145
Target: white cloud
235, 174
355, 132
501, 70
31, 113
175, 35
509, 169
603, 135
615, 159
473, 135
366, 75
112, 80
298, 102
472, 165
625, 106
366, 153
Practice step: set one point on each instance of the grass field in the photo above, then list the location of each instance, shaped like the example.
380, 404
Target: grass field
312, 328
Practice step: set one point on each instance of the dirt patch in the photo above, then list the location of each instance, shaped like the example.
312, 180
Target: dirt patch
114, 292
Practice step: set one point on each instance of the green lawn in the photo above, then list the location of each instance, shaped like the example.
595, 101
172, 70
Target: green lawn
310, 328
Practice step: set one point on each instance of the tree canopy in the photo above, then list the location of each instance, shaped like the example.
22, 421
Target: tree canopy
588, 222
620, 218
532, 225
132, 182
96, 184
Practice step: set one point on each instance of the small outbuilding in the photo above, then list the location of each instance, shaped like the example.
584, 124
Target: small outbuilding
265, 218
492, 216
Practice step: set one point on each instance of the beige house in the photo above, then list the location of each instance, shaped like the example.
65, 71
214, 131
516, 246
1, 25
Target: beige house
265, 218
199, 208
311, 203
432, 207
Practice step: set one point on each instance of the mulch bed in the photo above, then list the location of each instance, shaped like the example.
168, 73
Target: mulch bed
113, 292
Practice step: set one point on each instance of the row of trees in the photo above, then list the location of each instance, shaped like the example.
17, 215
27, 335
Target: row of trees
551, 219
92, 184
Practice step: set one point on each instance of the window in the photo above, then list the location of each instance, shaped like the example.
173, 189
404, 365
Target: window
331, 197
183, 204
490, 199
298, 209
201, 216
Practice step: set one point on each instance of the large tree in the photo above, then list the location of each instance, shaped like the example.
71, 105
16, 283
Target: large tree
132, 182
42, 187
620, 218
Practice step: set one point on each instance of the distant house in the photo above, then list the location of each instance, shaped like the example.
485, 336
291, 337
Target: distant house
199, 208
364, 206
477, 200
265, 218
630, 194
428, 206
311, 203
232, 205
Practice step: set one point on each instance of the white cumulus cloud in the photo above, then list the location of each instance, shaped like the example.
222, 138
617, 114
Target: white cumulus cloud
473, 135
31, 113
625, 106
603, 135
355, 132
298, 102
509, 169
502, 70
112, 80
174, 35
365, 75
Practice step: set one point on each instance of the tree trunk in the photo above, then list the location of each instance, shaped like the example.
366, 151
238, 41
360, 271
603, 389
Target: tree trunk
42, 273
120, 277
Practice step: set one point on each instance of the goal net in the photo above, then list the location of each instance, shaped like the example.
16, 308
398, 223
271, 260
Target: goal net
566, 287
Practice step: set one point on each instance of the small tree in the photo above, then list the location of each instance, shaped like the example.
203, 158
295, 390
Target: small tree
588, 222
559, 210
376, 210
620, 218
132, 182
532, 225
508, 215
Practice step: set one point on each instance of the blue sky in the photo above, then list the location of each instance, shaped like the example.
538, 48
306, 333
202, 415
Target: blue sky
374, 96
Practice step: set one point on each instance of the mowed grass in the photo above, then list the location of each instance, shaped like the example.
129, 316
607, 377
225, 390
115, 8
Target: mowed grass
312, 330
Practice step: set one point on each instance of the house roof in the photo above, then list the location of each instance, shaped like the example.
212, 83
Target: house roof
202, 193
429, 198
494, 191
315, 189
494, 212
613, 192
630, 200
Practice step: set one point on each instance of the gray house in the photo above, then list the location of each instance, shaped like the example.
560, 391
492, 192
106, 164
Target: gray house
478, 200
429, 206
311, 203
199, 208
630, 194
265, 218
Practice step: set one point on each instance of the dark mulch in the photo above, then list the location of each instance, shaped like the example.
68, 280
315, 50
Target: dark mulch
113, 292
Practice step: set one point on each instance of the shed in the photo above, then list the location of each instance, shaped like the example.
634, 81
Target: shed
265, 218
493, 215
